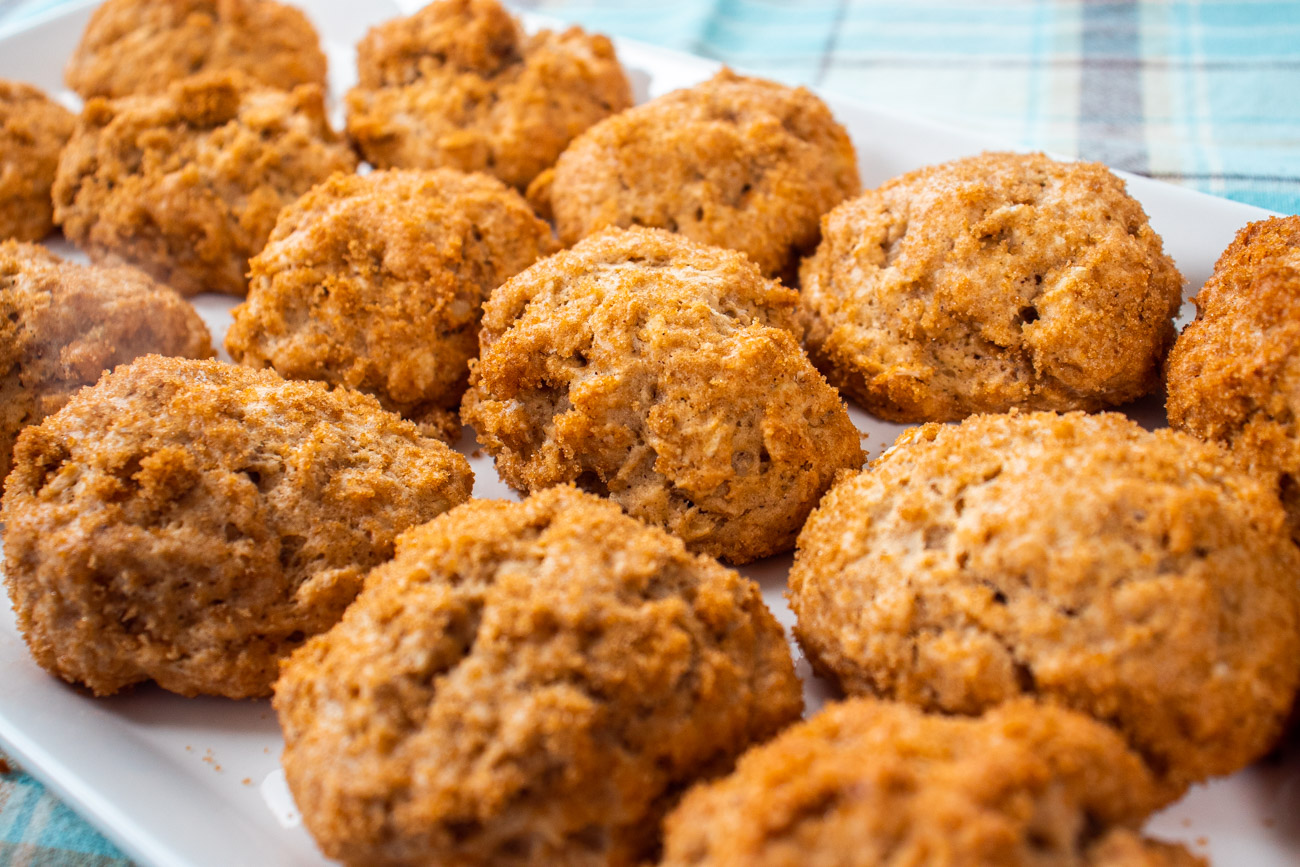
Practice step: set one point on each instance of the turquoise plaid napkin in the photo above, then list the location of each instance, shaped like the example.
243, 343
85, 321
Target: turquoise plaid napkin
1204, 94
37, 830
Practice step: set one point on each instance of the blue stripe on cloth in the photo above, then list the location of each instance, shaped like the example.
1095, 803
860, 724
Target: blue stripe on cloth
1201, 92
37, 828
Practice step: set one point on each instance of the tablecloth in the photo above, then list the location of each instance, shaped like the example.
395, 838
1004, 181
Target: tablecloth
1203, 93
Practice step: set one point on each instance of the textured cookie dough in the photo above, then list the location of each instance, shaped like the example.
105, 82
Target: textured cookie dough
188, 184
142, 46
63, 324
460, 85
192, 522
1234, 374
871, 782
997, 281
378, 282
528, 683
33, 129
668, 376
1138, 577
734, 162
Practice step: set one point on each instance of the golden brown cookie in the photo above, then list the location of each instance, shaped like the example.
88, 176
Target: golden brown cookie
378, 282
33, 129
192, 522
668, 376
867, 782
63, 324
459, 85
528, 683
188, 184
1234, 374
735, 162
142, 46
997, 281
1138, 577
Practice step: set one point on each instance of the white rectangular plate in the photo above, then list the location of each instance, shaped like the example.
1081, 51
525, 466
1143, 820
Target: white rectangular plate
190, 782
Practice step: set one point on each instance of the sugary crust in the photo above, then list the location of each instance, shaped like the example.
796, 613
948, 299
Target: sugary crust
458, 84
871, 782
188, 184
378, 282
63, 324
997, 281
1234, 374
734, 162
668, 376
1135, 576
33, 129
528, 683
191, 522
142, 46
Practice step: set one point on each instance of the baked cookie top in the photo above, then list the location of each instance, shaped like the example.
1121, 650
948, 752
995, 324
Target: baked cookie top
64, 324
996, 281
377, 283
734, 162
143, 46
872, 782
188, 184
1136, 576
33, 129
1234, 373
459, 85
528, 683
668, 376
192, 522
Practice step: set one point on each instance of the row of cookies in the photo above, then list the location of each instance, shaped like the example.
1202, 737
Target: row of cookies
689, 417
191, 190
1201, 646
203, 119
538, 681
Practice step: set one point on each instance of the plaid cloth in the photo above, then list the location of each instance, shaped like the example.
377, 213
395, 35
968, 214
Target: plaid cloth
37, 830
1205, 94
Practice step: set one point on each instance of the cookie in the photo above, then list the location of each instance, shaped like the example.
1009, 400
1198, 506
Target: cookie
1135, 576
187, 185
377, 283
1234, 374
997, 281
63, 324
734, 162
33, 129
192, 522
668, 376
872, 782
459, 85
528, 683
143, 46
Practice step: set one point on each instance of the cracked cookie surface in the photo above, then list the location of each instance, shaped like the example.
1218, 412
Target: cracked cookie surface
1234, 373
460, 85
377, 283
880, 783
142, 46
33, 129
668, 376
997, 281
528, 683
736, 162
1136, 576
187, 184
192, 522
63, 324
